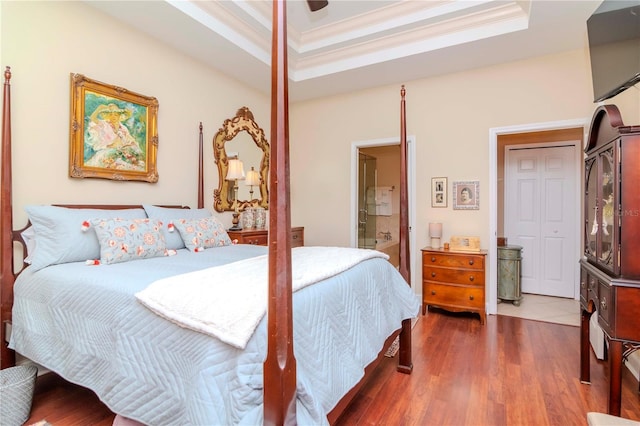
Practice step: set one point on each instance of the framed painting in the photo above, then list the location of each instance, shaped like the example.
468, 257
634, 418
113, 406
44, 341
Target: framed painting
439, 192
113, 132
466, 195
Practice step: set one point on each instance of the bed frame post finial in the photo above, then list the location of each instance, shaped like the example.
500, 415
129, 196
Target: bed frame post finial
7, 277
200, 170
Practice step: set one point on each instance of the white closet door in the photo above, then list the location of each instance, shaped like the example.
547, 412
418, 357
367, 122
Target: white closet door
540, 216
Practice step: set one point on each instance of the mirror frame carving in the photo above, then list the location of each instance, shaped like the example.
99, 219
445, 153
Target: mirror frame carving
243, 121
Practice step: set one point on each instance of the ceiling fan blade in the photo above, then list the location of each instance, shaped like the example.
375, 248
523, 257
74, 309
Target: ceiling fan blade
315, 5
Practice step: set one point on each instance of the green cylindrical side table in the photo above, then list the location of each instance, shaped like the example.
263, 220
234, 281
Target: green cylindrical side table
509, 274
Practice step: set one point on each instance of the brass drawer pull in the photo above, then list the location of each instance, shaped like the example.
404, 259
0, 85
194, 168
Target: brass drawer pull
471, 278
471, 262
433, 259
433, 274
433, 292
603, 303
471, 297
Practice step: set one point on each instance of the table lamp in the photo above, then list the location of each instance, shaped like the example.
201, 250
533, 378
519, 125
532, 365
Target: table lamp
235, 173
253, 179
435, 232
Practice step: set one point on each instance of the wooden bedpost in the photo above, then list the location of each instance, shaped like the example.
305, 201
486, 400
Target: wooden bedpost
280, 364
7, 278
405, 364
200, 170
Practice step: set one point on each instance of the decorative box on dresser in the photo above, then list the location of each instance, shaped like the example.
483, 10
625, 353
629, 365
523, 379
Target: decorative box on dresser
454, 281
610, 267
260, 236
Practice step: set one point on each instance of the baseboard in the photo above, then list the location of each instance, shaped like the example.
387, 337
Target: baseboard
633, 364
596, 336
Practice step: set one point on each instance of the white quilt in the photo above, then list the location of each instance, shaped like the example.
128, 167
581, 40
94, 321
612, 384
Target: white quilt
229, 301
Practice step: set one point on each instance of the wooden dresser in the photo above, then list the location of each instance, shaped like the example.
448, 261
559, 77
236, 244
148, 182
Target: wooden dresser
259, 236
454, 281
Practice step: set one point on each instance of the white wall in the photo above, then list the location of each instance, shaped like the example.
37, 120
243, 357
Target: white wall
44, 42
450, 117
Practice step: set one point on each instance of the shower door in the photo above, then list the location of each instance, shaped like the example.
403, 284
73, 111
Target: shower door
366, 201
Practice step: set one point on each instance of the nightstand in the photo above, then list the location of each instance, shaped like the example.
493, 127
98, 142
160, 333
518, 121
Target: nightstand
260, 236
454, 281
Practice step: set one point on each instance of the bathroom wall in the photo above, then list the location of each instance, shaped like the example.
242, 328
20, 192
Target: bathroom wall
388, 166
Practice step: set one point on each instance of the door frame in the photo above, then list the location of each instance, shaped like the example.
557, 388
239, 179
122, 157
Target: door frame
494, 132
353, 220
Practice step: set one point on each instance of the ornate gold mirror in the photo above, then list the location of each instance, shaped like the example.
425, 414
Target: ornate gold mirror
236, 140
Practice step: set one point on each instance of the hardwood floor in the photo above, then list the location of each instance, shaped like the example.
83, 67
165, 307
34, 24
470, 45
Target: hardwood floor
510, 371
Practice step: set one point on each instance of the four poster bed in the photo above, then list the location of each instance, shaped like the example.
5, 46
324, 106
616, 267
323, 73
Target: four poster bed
99, 326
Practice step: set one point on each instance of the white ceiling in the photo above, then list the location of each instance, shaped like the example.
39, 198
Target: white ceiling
357, 44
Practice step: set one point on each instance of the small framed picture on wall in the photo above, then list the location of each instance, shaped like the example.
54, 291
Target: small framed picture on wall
439, 192
466, 195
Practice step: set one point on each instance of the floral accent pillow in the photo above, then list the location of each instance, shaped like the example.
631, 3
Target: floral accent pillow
122, 240
168, 215
200, 234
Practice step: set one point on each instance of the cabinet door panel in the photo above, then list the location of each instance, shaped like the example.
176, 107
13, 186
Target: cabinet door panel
627, 308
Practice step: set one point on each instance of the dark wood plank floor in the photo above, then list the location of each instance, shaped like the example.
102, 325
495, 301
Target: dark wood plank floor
508, 372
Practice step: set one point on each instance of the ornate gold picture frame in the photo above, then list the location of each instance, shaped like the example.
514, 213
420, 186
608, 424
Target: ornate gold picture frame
113, 132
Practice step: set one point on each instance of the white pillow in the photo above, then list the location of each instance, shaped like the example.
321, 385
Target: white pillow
29, 237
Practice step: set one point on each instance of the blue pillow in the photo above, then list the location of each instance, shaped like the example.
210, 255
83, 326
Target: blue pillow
60, 237
169, 215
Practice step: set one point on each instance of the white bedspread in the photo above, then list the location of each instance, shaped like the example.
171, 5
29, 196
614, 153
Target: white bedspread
229, 301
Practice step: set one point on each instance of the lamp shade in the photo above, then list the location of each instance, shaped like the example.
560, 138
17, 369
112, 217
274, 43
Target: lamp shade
253, 178
236, 170
435, 230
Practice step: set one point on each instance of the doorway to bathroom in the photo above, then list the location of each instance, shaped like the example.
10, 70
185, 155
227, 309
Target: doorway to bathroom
387, 154
378, 201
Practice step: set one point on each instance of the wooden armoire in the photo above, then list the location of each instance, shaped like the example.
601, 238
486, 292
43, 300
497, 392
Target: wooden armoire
610, 266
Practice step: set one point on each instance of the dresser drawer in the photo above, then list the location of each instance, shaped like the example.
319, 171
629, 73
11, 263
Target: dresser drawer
606, 307
255, 239
453, 296
260, 237
454, 276
584, 288
462, 260
297, 237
